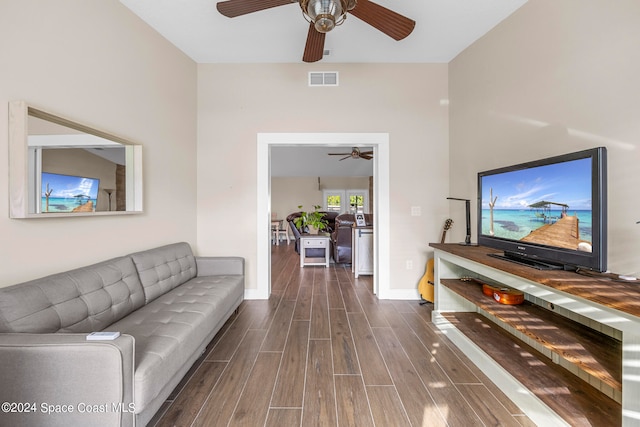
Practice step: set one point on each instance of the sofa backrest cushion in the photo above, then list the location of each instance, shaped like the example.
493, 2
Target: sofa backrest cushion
83, 300
347, 220
162, 269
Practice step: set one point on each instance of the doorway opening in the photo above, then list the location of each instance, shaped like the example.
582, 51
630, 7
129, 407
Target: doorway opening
380, 144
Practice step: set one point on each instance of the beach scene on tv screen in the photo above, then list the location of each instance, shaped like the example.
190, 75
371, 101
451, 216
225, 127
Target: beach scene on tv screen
66, 193
549, 205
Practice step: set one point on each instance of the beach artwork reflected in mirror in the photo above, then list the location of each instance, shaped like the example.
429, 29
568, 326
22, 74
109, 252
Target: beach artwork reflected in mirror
68, 193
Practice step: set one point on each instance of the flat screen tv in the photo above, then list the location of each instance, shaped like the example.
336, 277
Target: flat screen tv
68, 193
549, 213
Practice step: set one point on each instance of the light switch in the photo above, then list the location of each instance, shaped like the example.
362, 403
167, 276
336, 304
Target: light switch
416, 211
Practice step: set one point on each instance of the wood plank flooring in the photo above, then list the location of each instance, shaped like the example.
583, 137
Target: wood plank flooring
324, 351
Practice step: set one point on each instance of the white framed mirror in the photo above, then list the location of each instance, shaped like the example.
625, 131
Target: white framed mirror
58, 167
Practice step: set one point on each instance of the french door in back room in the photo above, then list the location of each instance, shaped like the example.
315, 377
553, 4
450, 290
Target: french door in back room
346, 201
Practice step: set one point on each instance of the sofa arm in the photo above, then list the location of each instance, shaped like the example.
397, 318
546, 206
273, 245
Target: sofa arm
65, 380
216, 266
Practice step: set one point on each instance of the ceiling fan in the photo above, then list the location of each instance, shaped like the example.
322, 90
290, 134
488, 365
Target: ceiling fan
355, 154
324, 15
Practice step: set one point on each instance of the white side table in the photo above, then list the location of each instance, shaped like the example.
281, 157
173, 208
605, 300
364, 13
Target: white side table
309, 241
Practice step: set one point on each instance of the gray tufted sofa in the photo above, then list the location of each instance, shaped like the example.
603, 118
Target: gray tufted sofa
167, 305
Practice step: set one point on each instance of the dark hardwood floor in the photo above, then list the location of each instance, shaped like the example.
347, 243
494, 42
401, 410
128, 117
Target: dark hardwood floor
323, 350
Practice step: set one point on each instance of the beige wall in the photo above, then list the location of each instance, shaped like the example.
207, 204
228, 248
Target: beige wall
97, 63
236, 102
555, 77
552, 78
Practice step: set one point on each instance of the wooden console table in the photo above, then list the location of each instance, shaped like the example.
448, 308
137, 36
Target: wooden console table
570, 355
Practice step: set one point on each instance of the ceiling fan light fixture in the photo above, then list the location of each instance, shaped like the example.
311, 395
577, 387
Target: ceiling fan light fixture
324, 23
325, 14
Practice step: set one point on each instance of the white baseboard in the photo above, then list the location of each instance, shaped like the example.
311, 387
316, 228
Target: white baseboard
401, 294
255, 294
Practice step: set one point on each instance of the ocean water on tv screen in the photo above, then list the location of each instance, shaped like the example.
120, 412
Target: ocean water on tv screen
64, 204
516, 224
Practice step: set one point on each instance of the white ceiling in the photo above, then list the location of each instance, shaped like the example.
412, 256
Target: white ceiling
315, 161
444, 28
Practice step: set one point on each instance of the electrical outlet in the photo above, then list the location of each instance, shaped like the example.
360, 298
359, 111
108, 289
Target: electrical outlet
409, 264
416, 211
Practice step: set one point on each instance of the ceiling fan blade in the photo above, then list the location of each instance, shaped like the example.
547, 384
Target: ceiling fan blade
339, 154
365, 156
366, 152
314, 49
233, 8
348, 157
389, 22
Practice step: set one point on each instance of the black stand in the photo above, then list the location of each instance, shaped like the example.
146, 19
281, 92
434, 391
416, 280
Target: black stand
424, 301
522, 260
467, 205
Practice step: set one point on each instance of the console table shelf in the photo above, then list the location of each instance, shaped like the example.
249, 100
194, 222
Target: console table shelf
591, 351
560, 390
579, 329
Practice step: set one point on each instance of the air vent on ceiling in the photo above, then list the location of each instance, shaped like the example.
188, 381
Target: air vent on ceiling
323, 78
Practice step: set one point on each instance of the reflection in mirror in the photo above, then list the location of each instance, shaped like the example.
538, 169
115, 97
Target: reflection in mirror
62, 168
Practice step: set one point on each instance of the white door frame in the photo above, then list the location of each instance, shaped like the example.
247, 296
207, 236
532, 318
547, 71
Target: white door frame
380, 144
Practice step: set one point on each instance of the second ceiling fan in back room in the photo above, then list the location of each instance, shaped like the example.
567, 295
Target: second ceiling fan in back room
355, 154
324, 15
